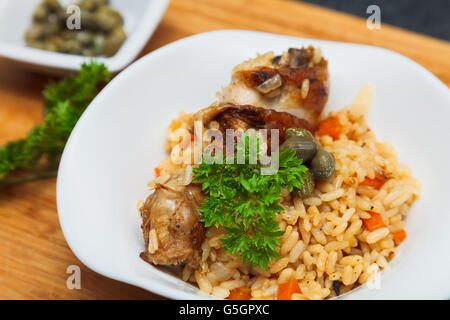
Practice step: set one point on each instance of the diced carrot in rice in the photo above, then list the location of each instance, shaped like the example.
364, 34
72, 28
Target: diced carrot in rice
399, 235
376, 182
330, 127
374, 222
287, 289
242, 293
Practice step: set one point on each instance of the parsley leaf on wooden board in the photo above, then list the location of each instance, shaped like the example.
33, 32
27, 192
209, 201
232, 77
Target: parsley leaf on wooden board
245, 203
66, 101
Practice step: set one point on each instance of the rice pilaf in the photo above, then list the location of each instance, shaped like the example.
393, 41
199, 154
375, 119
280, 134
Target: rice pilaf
329, 246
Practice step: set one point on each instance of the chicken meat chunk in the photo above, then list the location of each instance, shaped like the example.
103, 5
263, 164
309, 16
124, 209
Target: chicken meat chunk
172, 231
295, 82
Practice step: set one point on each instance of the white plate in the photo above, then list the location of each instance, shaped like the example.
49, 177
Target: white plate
141, 19
111, 153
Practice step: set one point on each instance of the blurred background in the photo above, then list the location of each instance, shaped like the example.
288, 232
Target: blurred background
429, 17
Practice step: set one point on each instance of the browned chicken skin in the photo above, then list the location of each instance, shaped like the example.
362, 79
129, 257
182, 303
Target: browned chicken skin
172, 212
295, 82
231, 116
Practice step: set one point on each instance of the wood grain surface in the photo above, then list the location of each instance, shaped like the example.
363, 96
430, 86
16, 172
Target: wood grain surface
33, 253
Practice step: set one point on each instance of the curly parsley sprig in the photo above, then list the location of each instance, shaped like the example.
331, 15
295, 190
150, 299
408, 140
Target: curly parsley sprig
245, 202
66, 101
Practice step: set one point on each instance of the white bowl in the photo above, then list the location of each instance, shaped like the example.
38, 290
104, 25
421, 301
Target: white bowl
111, 153
141, 19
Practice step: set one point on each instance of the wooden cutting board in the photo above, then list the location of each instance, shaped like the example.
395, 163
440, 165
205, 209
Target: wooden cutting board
33, 253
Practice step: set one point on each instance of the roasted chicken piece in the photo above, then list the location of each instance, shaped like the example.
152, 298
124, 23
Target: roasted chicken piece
295, 82
170, 223
231, 116
269, 92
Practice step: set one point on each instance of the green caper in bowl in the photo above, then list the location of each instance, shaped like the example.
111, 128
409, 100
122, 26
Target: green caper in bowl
101, 30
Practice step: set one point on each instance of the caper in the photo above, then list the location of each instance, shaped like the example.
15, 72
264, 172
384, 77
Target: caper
34, 33
88, 20
52, 6
40, 13
50, 46
86, 5
107, 18
300, 132
322, 165
305, 148
99, 42
114, 41
50, 28
298, 57
54, 43
69, 34
84, 37
36, 45
91, 5
71, 46
88, 52
61, 16
307, 188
